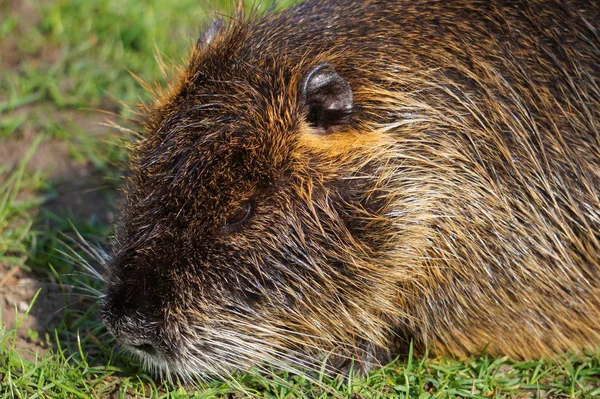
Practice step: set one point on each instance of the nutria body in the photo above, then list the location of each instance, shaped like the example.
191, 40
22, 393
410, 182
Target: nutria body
343, 179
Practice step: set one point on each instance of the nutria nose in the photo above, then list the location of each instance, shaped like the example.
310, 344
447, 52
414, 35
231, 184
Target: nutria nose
130, 321
132, 332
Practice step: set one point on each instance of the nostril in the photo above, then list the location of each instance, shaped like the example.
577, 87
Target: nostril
149, 349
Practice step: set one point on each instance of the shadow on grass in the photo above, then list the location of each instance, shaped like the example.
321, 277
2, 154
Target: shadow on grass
45, 261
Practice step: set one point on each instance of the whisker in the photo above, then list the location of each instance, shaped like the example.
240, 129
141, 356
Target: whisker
288, 336
269, 352
79, 260
88, 249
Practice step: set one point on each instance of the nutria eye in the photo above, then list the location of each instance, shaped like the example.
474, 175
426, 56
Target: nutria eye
239, 216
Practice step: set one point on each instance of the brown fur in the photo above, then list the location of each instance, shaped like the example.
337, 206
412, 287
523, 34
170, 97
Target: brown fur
459, 207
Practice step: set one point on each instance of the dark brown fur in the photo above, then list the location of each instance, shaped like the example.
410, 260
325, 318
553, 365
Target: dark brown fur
458, 206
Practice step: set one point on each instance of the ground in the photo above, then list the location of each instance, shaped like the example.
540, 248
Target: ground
77, 194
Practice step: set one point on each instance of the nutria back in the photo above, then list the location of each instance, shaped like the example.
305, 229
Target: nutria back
339, 179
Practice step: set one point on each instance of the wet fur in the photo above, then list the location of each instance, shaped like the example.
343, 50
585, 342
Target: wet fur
458, 208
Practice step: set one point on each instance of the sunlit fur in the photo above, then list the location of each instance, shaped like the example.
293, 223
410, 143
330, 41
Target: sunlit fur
459, 208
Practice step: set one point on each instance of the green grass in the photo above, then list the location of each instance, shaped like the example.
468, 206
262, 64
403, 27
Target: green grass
77, 57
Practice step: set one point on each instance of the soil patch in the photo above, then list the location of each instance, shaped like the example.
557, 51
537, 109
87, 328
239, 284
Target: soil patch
25, 15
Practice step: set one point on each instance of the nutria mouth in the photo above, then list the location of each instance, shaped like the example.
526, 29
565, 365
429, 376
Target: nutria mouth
334, 181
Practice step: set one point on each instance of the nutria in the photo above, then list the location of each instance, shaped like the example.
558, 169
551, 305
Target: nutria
336, 181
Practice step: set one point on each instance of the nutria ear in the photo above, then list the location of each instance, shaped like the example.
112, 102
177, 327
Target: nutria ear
327, 97
210, 33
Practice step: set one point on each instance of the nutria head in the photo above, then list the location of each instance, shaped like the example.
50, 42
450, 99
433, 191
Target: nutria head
240, 240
